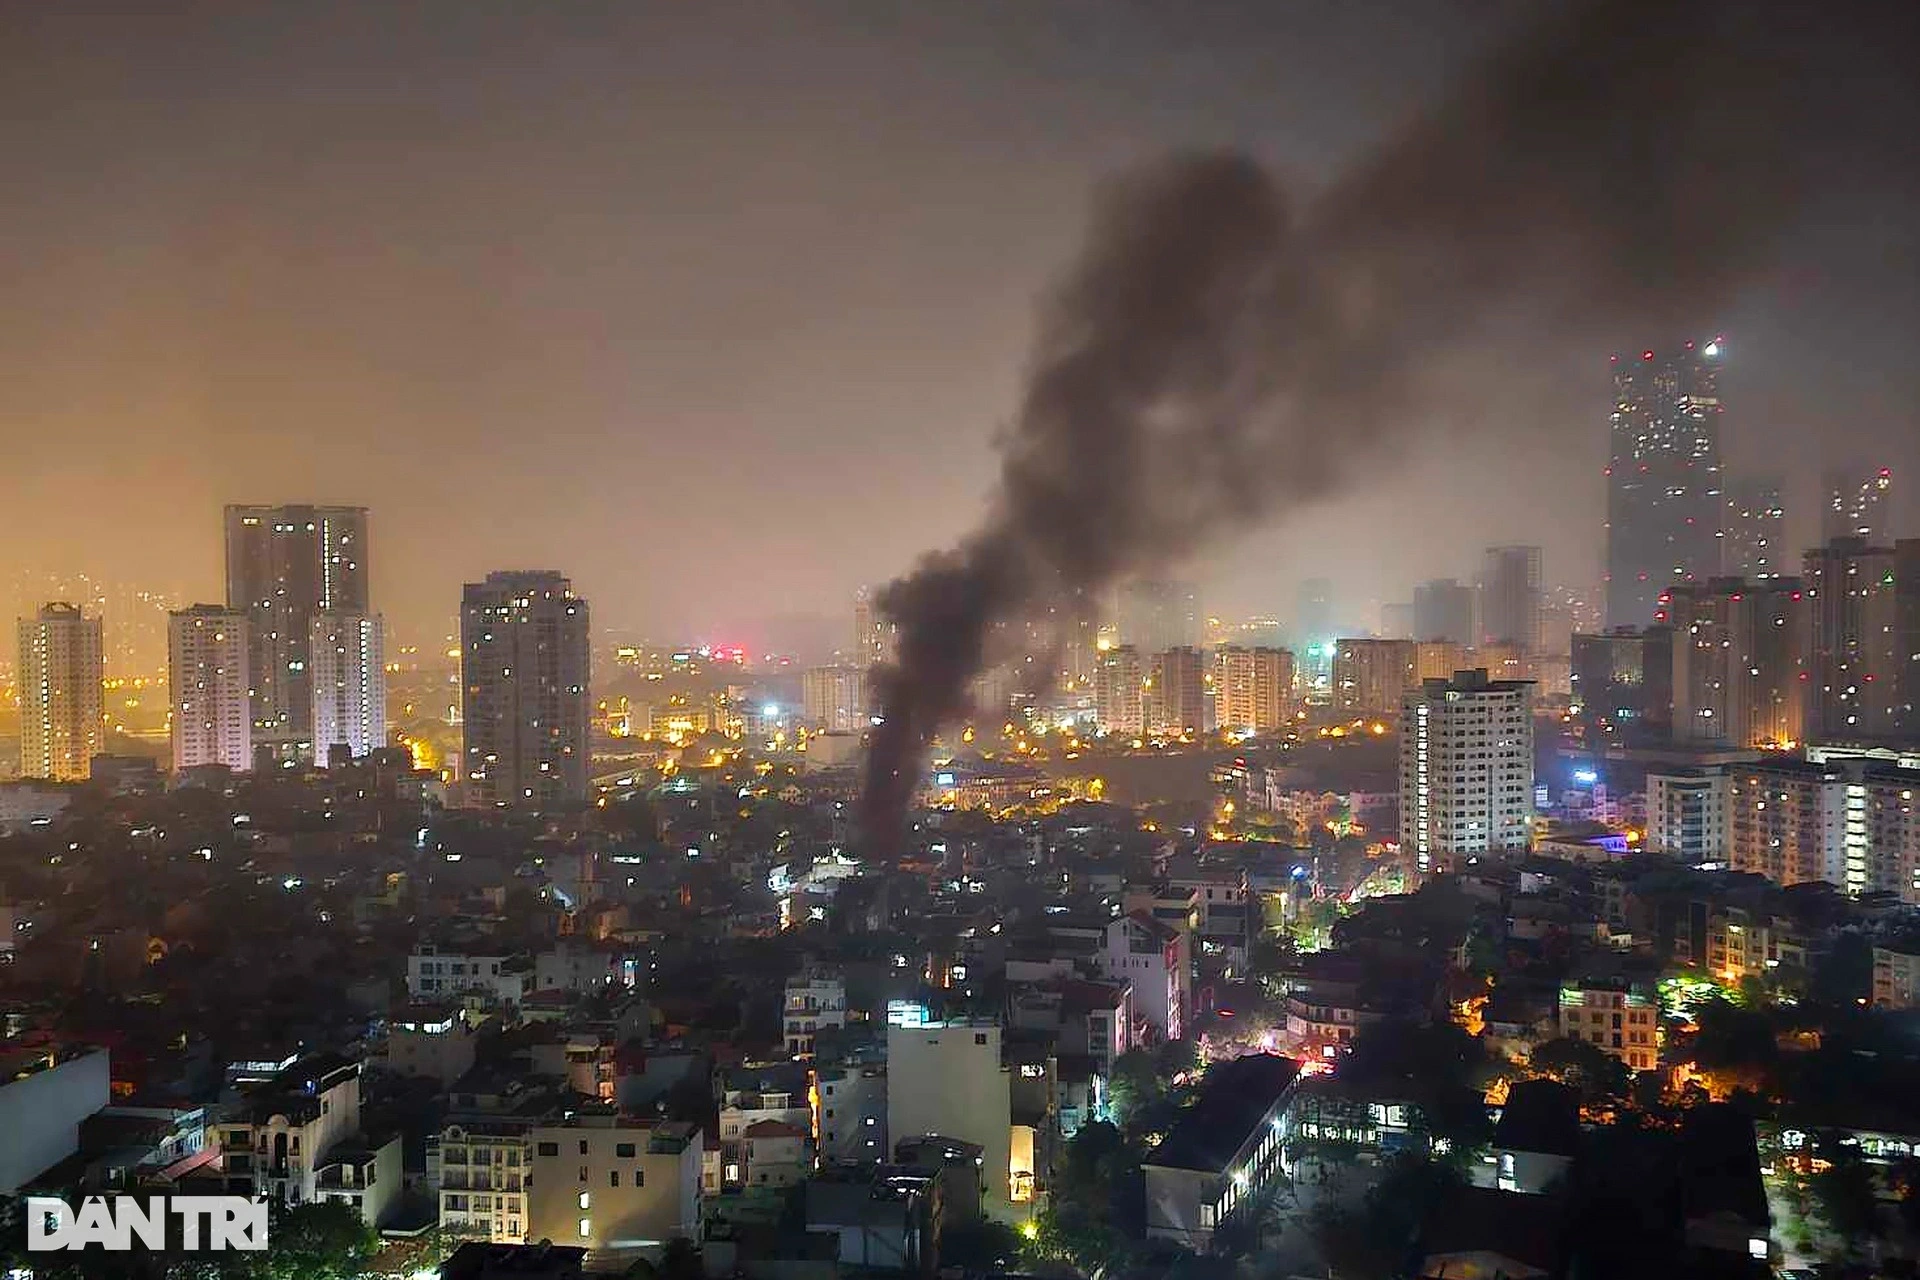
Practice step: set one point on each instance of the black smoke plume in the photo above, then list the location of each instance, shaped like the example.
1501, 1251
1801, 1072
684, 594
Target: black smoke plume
1220, 344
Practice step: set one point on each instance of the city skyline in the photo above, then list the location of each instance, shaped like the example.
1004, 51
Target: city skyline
434, 328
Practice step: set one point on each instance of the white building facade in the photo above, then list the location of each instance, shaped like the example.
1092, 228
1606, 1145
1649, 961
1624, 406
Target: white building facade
1466, 768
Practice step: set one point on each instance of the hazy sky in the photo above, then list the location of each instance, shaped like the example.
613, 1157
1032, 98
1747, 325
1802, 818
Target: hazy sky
716, 306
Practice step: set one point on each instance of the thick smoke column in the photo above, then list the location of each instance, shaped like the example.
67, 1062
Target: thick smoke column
1623, 169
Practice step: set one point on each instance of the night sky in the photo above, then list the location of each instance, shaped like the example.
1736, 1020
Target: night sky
717, 307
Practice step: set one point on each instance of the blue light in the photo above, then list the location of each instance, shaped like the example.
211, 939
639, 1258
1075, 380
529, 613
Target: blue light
1586, 777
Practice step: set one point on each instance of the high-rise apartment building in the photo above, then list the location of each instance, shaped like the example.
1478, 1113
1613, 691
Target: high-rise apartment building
284, 565
1739, 655
1622, 683
1865, 648
1511, 598
1157, 614
60, 675
348, 652
1443, 611
1174, 696
1252, 688
1370, 676
834, 699
873, 635
1753, 534
207, 655
1119, 691
1466, 768
1852, 821
1664, 498
1857, 505
1687, 815
525, 704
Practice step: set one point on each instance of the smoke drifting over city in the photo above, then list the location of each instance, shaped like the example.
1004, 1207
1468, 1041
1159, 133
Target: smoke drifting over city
1222, 343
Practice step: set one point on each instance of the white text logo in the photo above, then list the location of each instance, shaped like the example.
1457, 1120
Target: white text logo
200, 1222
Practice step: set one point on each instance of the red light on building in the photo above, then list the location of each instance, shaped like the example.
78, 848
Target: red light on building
1646, 355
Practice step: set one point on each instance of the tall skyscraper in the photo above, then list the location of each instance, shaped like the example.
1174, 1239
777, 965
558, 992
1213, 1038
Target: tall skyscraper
1369, 676
525, 667
835, 698
1175, 693
1739, 655
1157, 614
1443, 610
1511, 598
873, 635
1252, 688
1857, 505
1466, 768
60, 674
349, 686
1118, 691
284, 565
207, 654
1865, 658
1754, 531
1663, 483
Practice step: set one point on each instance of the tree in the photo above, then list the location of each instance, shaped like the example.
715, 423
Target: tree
981, 1245
1736, 1043
1094, 1187
326, 1240
1845, 1193
1583, 1066
1372, 1240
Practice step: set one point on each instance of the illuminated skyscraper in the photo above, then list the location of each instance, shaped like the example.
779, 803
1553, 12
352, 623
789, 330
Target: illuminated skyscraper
1369, 676
1252, 688
1752, 534
207, 653
284, 565
349, 686
1466, 768
1174, 701
1739, 655
1664, 499
835, 698
873, 635
525, 669
1856, 505
60, 673
1865, 659
1510, 598
1118, 677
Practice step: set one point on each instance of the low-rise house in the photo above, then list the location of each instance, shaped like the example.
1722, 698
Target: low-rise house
1224, 1149
614, 1186
774, 1154
434, 1040
1619, 1017
853, 1113
44, 1097
1537, 1137
368, 1176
